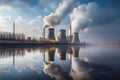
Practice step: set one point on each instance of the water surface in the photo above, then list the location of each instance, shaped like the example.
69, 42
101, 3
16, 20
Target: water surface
60, 63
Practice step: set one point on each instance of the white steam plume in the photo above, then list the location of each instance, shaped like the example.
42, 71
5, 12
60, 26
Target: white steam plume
81, 16
55, 18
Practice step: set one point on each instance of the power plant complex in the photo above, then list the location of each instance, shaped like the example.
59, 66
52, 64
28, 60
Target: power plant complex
62, 38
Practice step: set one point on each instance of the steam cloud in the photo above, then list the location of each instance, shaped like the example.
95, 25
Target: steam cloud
55, 18
82, 16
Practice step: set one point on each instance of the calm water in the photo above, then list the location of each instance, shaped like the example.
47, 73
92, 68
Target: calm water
60, 63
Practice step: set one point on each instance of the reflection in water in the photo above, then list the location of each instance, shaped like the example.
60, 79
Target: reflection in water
51, 55
52, 69
9, 52
32, 63
62, 50
78, 70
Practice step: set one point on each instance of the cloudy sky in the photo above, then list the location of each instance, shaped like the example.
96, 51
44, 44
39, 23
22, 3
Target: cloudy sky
95, 20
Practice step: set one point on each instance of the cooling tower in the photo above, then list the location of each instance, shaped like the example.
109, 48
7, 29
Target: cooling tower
51, 34
75, 38
62, 36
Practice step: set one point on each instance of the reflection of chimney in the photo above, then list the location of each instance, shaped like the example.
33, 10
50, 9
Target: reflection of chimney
51, 55
75, 38
62, 36
51, 34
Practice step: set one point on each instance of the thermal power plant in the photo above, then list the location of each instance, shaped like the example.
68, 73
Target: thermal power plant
75, 38
49, 39
51, 35
62, 36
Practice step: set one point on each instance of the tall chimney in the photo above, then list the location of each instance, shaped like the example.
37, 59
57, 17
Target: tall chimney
44, 32
51, 33
75, 39
62, 36
14, 30
70, 35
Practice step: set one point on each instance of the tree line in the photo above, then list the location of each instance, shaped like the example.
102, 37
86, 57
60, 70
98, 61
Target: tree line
11, 36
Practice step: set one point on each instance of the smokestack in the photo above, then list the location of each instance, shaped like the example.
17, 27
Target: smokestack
51, 33
62, 36
75, 39
44, 32
70, 30
70, 40
14, 30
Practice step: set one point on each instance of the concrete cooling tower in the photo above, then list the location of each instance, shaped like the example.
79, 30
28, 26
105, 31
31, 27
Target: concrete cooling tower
75, 39
62, 36
51, 34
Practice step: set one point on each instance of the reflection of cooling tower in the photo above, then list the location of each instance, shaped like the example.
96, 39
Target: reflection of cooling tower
62, 36
62, 52
75, 38
51, 34
75, 51
51, 55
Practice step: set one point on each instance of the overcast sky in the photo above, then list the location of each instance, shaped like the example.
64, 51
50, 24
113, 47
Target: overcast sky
100, 17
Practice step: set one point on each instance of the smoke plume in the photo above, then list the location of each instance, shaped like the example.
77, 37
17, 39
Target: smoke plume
81, 16
55, 18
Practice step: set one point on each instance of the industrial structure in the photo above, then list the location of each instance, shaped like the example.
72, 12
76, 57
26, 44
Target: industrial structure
51, 35
13, 37
75, 38
62, 36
